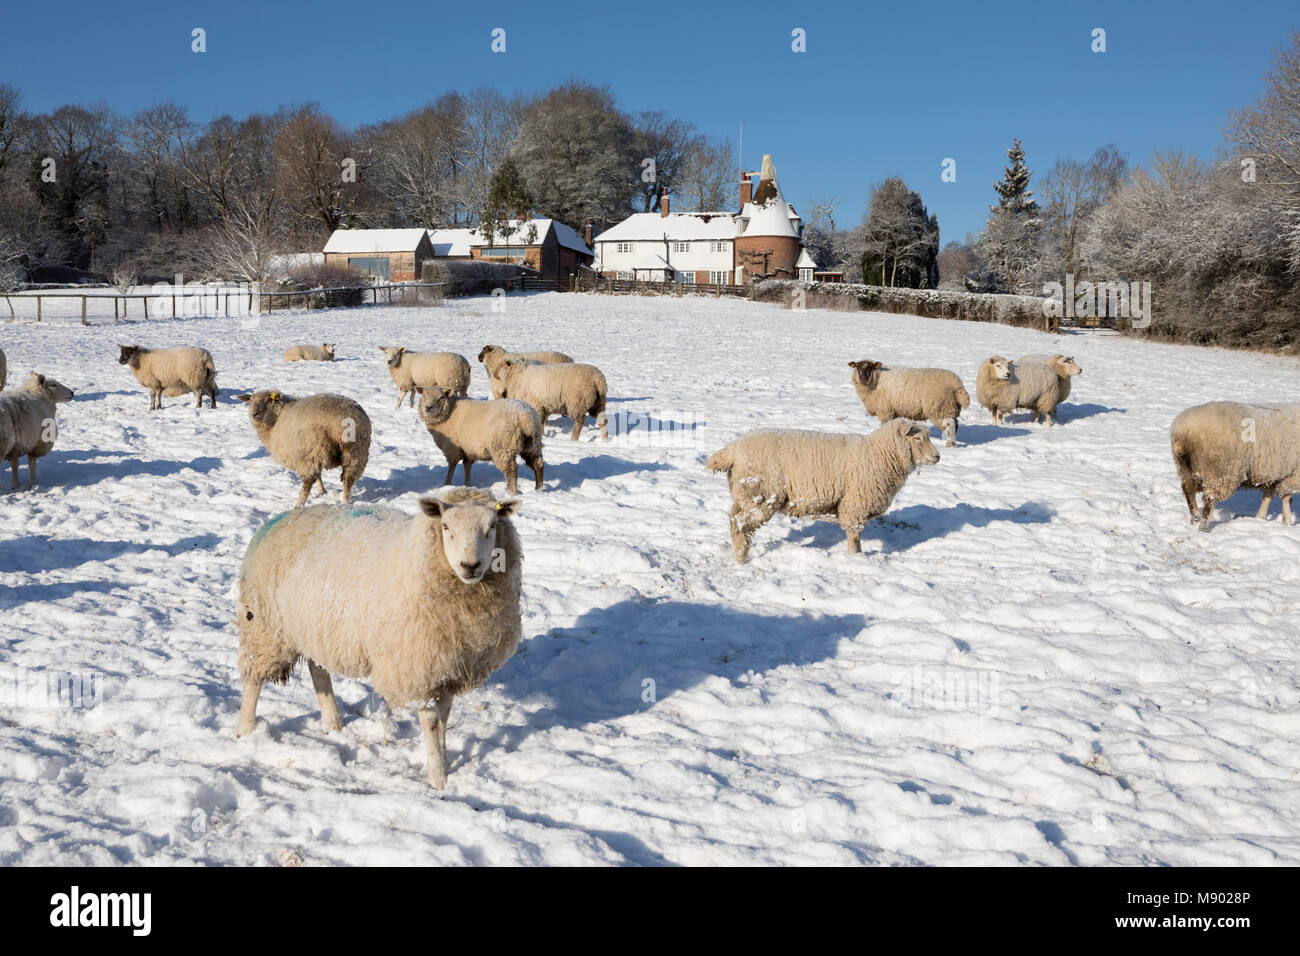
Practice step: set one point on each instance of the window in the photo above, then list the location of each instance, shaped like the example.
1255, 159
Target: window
681, 247
718, 278
376, 266
805, 275
506, 252
720, 246
686, 278
624, 247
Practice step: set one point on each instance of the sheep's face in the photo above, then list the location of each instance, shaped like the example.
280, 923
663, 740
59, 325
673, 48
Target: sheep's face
1001, 368
469, 533
917, 438
865, 372
392, 355
130, 355
1067, 366
328, 349
263, 407
55, 391
435, 404
486, 351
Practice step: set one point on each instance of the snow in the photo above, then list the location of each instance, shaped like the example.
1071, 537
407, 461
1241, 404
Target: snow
374, 240
452, 242
681, 226
1035, 660
519, 232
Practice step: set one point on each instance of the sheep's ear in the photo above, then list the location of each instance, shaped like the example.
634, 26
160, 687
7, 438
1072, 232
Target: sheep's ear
244, 398
40, 380
507, 507
914, 430
482, 352
431, 506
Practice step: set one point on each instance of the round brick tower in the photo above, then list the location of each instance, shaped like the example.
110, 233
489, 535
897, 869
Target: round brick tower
770, 245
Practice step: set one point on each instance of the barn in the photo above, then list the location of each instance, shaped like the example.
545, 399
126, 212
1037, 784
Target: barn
393, 255
548, 246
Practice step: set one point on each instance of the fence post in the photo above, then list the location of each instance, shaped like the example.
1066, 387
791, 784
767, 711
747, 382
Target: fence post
83, 310
173, 305
38, 308
114, 308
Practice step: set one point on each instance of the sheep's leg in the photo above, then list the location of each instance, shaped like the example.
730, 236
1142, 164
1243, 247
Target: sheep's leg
537, 466
1263, 505
949, 428
511, 471
320, 483
433, 720
411, 403
13, 463
31, 470
1190, 487
198, 398
307, 482
1206, 510
1286, 509
600, 423
248, 707
579, 419
329, 708
744, 522
400, 395
854, 538
469, 463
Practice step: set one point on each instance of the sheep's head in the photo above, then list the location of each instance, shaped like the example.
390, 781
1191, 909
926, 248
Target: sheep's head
916, 438
488, 350
1066, 365
435, 404
1001, 367
866, 371
392, 355
55, 391
468, 519
130, 355
264, 406
328, 349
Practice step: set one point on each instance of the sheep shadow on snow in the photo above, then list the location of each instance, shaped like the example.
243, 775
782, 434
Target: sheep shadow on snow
623, 659
83, 467
558, 475
975, 435
39, 553
904, 528
1065, 414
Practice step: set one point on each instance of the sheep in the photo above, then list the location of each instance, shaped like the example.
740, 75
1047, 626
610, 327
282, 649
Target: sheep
1221, 447
471, 429
1064, 365
27, 422
313, 434
171, 372
493, 355
4, 370
995, 387
935, 395
310, 353
411, 370
567, 389
812, 474
426, 605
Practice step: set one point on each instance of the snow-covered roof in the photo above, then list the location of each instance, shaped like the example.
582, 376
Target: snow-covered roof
771, 218
645, 226
451, 242
518, 235
374, 240
805, 261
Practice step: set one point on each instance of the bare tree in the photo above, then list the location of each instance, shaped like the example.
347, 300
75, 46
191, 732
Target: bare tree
243, 245
708, 176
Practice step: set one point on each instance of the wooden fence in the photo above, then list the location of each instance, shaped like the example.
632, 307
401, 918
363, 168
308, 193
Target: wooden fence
611, 286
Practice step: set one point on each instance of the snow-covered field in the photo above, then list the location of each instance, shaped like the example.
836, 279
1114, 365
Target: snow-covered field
1035, 660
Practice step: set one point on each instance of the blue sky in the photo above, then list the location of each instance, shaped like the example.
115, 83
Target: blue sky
883, 89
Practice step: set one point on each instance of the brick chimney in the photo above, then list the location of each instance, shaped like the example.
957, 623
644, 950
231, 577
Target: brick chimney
586, 234
663, 204
746, 189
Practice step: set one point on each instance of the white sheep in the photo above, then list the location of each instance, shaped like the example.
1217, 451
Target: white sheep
935, 395
426, 605
492, 357
28, 423
1221, 447
312, 434
310, 353
852, 478
995, 387
412, 370
172, 372
1064, 365
567, 389
470, 429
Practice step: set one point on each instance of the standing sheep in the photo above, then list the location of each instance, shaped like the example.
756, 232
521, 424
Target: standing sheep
172, 372
568, 389
28, 425
995, 387
852, 478
412, 370
313, 434
310, 353
1221, 447
426, 605
1064, 366
493, 356
935, 395
470, 429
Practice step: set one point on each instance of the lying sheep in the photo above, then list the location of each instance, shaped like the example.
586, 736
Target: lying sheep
1064, 365
935, 395
310, 353
4, 370
28, 425
995, 387
493, 356
471, 429
811, 474
426, 605
412, 370
172, 372
313, 434
567, 389
1221, 447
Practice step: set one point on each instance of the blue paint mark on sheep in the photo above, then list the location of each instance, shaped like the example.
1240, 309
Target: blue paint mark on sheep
261, 532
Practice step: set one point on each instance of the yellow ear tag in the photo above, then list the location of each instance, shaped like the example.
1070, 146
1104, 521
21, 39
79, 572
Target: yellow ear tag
275, 396
498, 506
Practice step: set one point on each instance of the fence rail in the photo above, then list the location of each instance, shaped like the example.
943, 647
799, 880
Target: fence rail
611, 286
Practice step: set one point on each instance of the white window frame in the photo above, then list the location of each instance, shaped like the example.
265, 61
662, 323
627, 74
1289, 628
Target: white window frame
681, 246
719, 277
623, 248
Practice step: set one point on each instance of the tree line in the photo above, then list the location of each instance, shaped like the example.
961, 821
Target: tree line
85, 189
